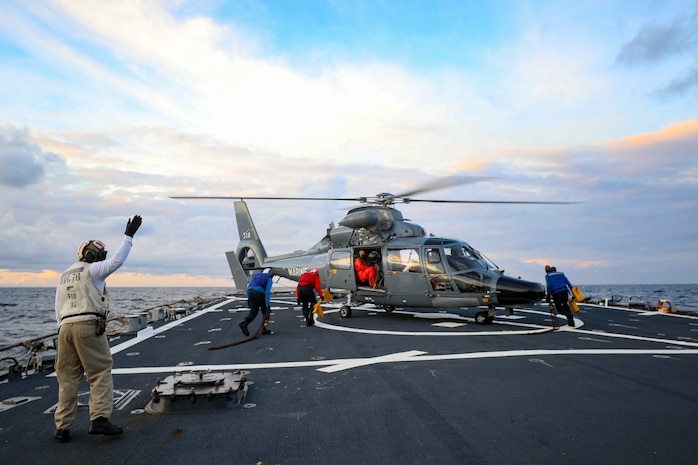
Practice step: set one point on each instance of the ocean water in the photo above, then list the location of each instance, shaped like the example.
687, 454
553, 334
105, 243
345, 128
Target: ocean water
682, 296
27, 313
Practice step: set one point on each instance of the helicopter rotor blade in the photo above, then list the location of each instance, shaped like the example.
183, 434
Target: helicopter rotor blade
387, 199
445, 182
512, 202
362, 199
247, 197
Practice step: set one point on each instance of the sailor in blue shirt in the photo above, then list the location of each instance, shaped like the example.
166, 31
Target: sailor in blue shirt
258, 296
557, 288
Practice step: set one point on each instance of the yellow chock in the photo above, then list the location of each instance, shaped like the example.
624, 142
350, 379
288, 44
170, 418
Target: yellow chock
317, 309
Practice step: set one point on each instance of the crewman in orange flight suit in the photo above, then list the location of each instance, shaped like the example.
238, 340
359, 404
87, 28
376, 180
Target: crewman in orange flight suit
364, 271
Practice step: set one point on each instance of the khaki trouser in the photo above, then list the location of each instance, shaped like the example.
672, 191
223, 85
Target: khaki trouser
81, 351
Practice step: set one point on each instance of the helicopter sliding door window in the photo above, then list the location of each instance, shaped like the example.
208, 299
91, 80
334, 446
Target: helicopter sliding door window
341, 260
404, 261
341, 274
434, 265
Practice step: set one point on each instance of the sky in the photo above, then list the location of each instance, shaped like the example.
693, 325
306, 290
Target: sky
110, 108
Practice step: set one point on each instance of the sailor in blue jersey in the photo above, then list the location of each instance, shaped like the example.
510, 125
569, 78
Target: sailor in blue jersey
258, 296
82, 303
557, 288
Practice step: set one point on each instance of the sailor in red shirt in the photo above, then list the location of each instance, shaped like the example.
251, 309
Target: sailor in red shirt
308, 283
364, 271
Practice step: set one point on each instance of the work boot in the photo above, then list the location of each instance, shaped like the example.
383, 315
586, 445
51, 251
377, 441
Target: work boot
62, 435
243, 327
102, 425
309, 321
267, 331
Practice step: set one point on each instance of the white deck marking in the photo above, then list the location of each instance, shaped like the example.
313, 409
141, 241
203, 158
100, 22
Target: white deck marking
449, 324
149, 332
594, 340
330, 366
622, 326
541, 361
359, 362
639, 338
532, 328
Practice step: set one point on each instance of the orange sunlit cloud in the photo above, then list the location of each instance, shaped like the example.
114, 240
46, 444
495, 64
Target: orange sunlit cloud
672, 132
49, 278
45, 278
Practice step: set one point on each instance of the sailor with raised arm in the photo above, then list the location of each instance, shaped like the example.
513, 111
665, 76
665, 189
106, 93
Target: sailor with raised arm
82, 303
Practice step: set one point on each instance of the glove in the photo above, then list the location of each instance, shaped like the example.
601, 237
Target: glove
132, 225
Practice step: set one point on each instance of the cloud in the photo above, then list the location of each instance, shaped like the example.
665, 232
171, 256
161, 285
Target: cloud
22, 160
683, 84
674, 44
656, 42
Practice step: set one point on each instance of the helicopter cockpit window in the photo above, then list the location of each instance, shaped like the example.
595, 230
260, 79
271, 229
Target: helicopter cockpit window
472, 281
486, 262
461, 258
341, 260
404, 260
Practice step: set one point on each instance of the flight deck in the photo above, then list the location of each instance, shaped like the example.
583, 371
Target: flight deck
404, 387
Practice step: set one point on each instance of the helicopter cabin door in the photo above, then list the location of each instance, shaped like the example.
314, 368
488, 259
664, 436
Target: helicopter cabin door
341, 273
409, 274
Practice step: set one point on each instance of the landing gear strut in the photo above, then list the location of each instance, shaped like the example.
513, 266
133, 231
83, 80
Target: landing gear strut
345, 310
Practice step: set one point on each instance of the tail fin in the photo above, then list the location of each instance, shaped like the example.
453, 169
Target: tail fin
250, 254
240, 277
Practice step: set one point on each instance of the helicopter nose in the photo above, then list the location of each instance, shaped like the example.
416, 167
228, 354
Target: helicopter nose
513, 291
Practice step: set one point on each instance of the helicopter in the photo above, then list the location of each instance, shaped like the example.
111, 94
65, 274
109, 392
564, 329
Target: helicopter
411, 268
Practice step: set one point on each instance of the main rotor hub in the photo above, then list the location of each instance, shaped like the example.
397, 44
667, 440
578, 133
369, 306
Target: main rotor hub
385, 198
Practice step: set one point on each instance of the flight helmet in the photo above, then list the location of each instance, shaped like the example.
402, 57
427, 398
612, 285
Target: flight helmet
92, 251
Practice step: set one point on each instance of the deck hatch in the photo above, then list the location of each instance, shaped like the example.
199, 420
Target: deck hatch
198, 390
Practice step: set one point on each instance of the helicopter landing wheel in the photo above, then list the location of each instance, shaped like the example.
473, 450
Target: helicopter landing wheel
345, 311
389, 308
481, 318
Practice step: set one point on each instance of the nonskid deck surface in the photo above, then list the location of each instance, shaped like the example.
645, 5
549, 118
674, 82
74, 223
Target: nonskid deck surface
405, 387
